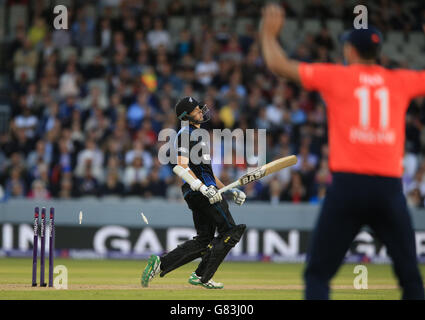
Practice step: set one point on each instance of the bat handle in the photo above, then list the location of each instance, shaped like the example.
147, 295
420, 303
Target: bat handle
229, 186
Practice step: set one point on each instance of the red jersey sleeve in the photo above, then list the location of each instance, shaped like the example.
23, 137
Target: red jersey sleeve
316, 76
412, 82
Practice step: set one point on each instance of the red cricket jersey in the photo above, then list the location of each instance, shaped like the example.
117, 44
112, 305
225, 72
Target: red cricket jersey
366, 108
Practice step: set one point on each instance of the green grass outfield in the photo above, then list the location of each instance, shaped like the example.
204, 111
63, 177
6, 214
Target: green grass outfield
116, 279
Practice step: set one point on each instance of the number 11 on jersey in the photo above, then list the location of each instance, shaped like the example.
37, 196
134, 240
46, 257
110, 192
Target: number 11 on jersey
381, 94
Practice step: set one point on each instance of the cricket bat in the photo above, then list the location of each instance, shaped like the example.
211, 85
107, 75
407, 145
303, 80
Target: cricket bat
261, 172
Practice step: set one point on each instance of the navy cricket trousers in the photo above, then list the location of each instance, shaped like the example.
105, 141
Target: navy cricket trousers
353, 201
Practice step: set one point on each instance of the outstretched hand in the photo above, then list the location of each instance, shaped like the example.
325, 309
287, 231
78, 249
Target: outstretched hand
273, 18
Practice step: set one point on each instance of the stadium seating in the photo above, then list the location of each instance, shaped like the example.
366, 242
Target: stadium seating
241, 23
67, 52
88, 54
290, 35
176, 25
17, 14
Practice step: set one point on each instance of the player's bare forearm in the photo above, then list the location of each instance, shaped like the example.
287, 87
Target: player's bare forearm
219, 183
277, 61
274, 56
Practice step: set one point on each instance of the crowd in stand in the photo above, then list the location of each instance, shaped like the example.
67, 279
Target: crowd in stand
83, 127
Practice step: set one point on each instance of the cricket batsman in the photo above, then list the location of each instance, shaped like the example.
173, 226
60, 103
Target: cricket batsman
366, 108
209, 210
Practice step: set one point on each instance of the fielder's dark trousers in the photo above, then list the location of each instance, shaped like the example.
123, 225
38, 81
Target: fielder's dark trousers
351, 202
207, 218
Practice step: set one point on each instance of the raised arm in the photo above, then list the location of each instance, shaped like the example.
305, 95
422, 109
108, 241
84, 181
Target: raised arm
273, 17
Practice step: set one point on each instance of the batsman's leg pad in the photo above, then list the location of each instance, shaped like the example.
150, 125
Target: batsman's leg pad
184, 253
218, 249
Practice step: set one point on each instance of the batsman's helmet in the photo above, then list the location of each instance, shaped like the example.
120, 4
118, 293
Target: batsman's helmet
186, 105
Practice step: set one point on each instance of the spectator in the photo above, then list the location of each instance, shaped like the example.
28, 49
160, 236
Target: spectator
95, 69
87, 184
223, 34
156, 187
206, 70
414, 199
136, 177
201, 8
174, 192
304, 155
21, 142
104, 36
66, 189
63, 163
68, 82
185, 44
139, 151
317, 9
229, 113
147, 134
26, 121
95, 99
232, 51
298, 116
83, 31
137, 111
38, 31
275, 191
168, 76
61, 38
15, 185
25, 60
112, 186
234, 89
276, 111
68, 108
158, 36
248, 8
296, 191
19, 39
91, 158
261, 121
324, 39
38, 191
176, 8
38, 155
223, 9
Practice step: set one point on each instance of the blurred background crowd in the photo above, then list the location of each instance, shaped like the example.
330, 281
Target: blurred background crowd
81, 109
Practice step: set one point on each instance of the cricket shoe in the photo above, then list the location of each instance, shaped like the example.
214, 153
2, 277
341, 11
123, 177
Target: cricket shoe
151, 270
196, 281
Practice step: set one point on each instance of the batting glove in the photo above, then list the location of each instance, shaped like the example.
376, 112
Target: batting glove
238, 196
211, 193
